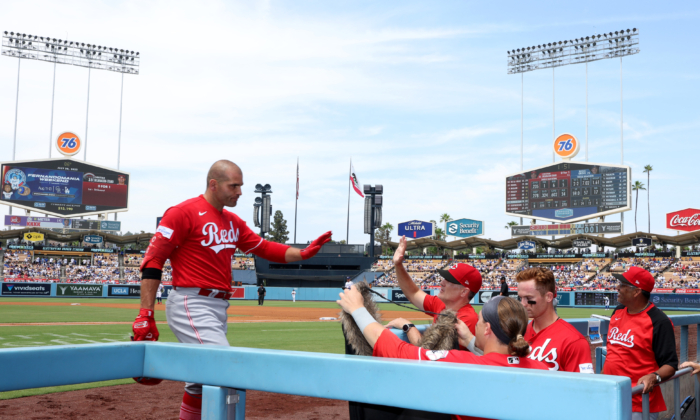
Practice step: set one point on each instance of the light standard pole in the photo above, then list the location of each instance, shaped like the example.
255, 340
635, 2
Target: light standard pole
580, 50
58, 51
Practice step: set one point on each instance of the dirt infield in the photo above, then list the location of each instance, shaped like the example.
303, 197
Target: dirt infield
138, 402
239, 313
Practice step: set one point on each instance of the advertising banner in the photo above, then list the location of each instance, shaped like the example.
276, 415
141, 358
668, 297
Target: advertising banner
581, 243
464, 228
124, 290
557, 256
42, 222
93, 239
415, 229
527, 245
26, 289
606, 228
91, 290
110, 225
672, 300
61, 248
644, 254
641, 242
398, 296
33, 237
687, 220
60, 223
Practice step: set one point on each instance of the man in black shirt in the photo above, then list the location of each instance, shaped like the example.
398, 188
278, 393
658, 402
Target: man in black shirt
261, 295
504, 286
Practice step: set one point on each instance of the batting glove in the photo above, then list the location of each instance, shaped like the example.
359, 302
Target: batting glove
145, 326
315, 246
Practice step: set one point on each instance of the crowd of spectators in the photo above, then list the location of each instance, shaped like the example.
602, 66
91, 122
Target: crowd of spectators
243, 263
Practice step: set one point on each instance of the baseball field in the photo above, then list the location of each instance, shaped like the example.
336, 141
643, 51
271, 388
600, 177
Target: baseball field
279, 325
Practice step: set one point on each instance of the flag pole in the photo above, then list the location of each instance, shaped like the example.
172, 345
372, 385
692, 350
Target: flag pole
295, 203
347, 237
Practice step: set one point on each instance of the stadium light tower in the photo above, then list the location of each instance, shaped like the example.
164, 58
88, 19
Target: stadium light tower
562, 53
58, 51
261, 219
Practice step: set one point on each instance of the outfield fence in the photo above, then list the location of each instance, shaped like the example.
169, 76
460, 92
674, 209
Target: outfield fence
227, 372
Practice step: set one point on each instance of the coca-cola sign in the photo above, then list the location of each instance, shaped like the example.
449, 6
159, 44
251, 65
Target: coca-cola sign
687, 220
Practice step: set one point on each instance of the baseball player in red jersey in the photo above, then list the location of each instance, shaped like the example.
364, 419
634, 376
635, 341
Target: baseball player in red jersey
200, 238
461, 283
641, 342
553, 340
499, 331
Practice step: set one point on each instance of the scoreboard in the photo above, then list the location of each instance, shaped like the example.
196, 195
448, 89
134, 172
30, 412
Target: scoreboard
64, 187
569, 191
595, 298
605, 228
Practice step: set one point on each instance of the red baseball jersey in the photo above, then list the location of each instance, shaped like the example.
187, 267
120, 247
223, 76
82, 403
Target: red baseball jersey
561, 347
638, 345
205, 240
466, 313
389, 345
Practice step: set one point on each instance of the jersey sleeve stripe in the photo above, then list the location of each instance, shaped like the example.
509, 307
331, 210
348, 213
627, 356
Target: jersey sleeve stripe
251, 250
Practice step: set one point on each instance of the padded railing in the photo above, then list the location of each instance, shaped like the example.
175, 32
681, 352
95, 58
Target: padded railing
483, 391
492, 392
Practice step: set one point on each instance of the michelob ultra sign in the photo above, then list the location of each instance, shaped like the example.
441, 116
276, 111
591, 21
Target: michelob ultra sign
464, 228
415, 229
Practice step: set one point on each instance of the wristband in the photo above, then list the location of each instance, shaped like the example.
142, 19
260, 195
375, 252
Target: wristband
473, 348
146, 312
362, 318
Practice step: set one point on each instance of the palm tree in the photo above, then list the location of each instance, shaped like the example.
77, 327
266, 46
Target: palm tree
636, 187
647, 170
445, 218
510, 224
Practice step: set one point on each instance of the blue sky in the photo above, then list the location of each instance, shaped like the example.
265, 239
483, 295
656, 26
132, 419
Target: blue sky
416, 93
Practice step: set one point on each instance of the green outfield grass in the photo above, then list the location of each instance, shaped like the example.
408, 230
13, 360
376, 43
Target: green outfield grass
325, 337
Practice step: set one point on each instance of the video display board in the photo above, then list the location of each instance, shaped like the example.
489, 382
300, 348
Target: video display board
64, 187
569, 191
595, 298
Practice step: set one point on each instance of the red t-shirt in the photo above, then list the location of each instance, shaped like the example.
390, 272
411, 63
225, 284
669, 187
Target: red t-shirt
205, 240
561, 347
389, 345
466, 313
638, 345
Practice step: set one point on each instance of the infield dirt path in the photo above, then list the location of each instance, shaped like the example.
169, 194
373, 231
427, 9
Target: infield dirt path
240, 313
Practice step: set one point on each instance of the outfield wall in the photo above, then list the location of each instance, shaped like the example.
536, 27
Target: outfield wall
580, 299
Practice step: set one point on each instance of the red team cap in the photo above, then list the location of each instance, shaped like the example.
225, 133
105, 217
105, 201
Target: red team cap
463, 274
637, 277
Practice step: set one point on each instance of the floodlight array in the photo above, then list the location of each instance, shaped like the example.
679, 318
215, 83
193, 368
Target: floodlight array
59, 51
580, 50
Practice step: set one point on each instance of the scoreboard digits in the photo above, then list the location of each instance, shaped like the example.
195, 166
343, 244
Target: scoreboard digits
568, 191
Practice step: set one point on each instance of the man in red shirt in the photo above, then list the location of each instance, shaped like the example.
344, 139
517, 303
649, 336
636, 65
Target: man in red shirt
641, 342
200, 238
554, 341
502, 321
461, 283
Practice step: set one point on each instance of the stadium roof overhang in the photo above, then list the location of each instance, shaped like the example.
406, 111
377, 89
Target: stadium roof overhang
77, 236
566, 242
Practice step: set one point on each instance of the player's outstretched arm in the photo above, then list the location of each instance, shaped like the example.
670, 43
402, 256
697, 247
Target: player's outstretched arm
294, 254
352, 302
413, 293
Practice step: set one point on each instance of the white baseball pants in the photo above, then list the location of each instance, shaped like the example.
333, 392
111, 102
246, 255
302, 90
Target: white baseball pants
196, 319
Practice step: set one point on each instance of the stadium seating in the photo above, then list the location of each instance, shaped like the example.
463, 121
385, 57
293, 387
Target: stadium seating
243, 263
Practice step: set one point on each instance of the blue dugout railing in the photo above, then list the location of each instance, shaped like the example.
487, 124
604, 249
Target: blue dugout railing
492, 392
